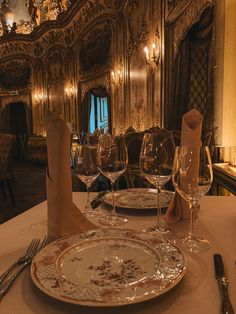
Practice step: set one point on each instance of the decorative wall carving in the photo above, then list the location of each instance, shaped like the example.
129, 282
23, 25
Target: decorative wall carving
55, 65
14, 75
138, 30
14, 48
94, 83
55, 81
95, 48
26, 98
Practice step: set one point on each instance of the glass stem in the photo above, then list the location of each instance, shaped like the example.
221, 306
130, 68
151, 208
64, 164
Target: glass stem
158, 205
113, 198
88, 197
191, 224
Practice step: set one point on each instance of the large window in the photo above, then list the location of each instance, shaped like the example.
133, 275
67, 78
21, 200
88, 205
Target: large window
98, 113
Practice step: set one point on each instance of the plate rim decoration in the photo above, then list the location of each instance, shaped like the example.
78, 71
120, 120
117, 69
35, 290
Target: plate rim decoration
46, 277
118, 193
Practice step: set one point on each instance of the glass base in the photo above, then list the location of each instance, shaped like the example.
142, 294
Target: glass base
195, 244
90, 212
163, 232
112, 220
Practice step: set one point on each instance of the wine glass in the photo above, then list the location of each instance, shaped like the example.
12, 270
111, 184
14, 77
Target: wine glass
87, 171
113, 160
156, 162
192, 178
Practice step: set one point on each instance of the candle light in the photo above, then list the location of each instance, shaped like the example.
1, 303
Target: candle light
113, 75
152, 55
153, 51
146, 53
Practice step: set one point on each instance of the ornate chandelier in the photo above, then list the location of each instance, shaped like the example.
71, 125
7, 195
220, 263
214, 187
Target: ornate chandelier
45, 10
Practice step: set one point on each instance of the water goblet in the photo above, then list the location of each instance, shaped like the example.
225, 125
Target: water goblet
156, 162
87, 171
113, 161
192, 178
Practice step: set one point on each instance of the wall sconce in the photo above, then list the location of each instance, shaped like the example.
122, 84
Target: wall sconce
38, 98
117, 77
70, 91
152, 56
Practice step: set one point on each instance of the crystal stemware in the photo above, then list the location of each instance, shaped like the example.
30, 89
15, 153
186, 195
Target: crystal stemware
87, 171
156, 162
113, 160
192, 178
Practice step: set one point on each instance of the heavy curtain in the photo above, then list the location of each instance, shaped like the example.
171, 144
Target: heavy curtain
188, 58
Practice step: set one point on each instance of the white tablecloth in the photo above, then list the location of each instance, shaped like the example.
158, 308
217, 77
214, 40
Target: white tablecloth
196, 293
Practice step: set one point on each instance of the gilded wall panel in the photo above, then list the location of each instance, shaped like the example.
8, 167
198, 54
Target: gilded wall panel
55, 64
138, 91
81, 50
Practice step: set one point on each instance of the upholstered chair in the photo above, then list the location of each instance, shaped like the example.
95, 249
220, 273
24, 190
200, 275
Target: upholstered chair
133, 143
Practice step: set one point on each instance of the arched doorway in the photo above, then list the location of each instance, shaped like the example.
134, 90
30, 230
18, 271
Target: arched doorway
95, 111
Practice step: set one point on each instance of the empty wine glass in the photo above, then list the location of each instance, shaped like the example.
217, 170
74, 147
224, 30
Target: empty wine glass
192, 178
156, 162
87, 171
113, 160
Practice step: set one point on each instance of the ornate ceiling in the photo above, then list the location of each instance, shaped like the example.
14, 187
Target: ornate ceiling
23, 16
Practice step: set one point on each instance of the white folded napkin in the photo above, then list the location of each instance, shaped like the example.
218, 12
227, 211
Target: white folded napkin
190, 137
63, 216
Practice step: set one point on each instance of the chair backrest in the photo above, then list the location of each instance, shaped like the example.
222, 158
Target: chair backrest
153, 129
92, 139
133, 143
130, 130
6, 151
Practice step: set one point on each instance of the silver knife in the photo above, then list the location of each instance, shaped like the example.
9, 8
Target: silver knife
98, 199
226, 306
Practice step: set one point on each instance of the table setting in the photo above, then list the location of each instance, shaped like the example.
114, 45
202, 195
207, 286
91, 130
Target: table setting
78, 264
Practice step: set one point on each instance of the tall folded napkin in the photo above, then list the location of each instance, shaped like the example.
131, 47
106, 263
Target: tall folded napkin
190, 137
63, 216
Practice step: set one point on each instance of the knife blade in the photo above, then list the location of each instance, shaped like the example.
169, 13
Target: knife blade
97, 199
220, 274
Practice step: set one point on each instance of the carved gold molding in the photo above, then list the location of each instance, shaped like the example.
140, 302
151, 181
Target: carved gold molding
137, 24
101, 81
25, 98
64, 32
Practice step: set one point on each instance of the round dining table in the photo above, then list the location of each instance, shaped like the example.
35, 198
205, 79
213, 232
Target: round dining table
196, 293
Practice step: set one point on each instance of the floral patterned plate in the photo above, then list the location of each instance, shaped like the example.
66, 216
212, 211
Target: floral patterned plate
107, 267
140, 198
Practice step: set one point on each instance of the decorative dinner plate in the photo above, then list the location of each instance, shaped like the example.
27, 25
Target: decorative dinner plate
107, 267
142, 198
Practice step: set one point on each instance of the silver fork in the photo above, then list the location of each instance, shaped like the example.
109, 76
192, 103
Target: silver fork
8, 283
28, 253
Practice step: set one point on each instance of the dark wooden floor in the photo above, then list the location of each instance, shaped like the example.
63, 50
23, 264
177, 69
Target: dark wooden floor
29, 188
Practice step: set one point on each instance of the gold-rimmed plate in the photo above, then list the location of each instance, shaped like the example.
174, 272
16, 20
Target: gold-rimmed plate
107, 267
139, 198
